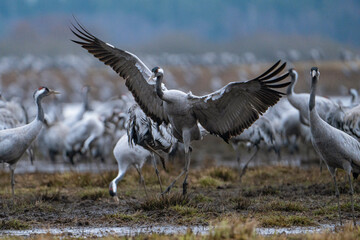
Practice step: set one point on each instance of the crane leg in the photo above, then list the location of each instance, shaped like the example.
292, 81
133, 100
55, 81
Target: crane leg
321, 167
337, 194
186, 139
155, 164
352, 200
12, 171
173, 182
142, 180
247, 163
237, 151
187, 162
157, 172
30, 152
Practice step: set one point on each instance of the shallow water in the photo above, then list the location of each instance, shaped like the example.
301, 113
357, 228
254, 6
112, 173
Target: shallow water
104, 231
295, 230
131, 231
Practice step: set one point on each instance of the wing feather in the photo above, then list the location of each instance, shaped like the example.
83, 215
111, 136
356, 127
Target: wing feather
129, 67
235, 107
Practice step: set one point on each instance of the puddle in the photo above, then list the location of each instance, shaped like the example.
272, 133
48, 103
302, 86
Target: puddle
104, 231
167, 230
295, 230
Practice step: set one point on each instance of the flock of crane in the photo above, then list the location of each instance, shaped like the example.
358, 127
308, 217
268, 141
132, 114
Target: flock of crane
157, 121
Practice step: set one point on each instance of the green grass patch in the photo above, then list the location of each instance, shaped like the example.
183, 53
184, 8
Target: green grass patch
286, 221
13, 224
164, 201
201, 198
285, 206
122, 217
222, 173
184, 210
93, 194
207, 181
241, 203
233, 230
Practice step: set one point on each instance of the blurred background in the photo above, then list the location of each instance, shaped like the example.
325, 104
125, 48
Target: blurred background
268, 29
202, 45
35, 34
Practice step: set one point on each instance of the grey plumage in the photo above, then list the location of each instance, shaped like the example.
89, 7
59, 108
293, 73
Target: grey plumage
7, 119
354, 96
300, 100
127, 156
225, 113
15, 141
260, 131
144, 138
336, 148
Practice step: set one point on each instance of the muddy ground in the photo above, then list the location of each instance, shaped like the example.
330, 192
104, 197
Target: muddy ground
273, 196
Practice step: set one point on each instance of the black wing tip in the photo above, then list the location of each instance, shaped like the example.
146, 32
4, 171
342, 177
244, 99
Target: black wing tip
80, 31
272, 71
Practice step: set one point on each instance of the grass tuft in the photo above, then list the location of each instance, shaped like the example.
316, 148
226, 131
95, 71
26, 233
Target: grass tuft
208, 181
93, 194
241, 203
285, 206
184, 210
222, 173
233, 230
286, 221
201, 198
13, 224
165, 201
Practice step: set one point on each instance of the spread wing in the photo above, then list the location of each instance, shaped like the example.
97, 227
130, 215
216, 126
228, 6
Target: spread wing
233, 108
129, 67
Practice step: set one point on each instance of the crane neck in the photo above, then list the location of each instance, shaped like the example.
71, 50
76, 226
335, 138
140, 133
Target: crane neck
354, 97
313, 93
40, 113
86, 106
159, 90
290, 89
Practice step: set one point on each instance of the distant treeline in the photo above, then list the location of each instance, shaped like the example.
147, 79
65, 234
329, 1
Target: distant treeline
211, 22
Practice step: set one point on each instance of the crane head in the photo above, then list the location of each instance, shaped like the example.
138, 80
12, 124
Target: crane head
157, 71
314, 72
43, 92
293, 74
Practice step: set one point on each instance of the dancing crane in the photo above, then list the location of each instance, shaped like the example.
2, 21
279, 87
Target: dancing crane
225, 113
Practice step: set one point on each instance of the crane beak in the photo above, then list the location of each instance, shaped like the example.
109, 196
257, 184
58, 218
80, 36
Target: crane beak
313, 73
53, 92
151, 77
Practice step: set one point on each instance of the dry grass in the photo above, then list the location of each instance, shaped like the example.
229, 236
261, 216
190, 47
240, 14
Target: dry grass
271, 196
158, 202
278, 220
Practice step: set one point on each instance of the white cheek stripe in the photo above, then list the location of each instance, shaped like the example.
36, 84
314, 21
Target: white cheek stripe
39, 92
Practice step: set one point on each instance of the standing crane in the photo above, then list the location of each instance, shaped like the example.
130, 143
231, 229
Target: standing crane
336, 148
15, 141
300, 100
225, 112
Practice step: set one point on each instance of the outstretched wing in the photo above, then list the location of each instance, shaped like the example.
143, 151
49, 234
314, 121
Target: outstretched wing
233, 108
129, 67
